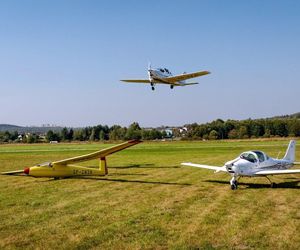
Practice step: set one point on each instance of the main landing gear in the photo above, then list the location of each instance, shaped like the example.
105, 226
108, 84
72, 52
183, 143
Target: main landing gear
171, 86
273, 184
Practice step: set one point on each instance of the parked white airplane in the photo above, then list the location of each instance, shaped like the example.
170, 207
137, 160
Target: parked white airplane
164, 76
256, 163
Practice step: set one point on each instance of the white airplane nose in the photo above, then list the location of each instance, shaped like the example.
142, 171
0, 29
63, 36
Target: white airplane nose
234, 168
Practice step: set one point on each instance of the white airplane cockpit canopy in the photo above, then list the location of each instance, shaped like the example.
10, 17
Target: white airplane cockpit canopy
254, 156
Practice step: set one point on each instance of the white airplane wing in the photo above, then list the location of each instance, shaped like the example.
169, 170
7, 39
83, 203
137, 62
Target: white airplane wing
183, 77
136, 80
217, 169
276, 172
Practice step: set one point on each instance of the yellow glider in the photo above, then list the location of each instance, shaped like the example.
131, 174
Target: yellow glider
66, 167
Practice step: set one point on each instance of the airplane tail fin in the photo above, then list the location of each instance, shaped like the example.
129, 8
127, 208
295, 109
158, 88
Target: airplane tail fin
290, 152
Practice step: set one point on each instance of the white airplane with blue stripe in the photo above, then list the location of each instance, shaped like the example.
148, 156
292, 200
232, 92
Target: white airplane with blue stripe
255, 163
164, 76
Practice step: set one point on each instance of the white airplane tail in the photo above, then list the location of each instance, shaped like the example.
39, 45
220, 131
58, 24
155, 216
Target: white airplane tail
290, 152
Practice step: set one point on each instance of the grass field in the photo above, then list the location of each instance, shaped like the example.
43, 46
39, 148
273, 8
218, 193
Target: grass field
148, 201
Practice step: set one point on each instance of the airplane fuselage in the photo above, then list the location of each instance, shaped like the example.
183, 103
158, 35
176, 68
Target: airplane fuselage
242, 167
158, 75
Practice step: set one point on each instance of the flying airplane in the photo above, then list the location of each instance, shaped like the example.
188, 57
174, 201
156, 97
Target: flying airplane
66, 168
164, 76
255, 163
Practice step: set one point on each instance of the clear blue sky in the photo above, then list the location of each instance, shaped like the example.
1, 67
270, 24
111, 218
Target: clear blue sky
61, 61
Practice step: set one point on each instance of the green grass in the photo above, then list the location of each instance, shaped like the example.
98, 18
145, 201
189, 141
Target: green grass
148, 201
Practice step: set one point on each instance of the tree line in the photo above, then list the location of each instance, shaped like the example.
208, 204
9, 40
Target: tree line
95, 133
215, 130
232, 129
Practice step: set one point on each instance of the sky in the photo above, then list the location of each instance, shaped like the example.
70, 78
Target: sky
61, 61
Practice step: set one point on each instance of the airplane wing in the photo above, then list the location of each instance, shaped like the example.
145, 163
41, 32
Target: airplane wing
13, 172
217, 169
189, 83
98, 154
183, 77
276, 172
136, 81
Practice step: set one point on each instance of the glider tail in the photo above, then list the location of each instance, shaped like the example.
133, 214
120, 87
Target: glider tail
290, 152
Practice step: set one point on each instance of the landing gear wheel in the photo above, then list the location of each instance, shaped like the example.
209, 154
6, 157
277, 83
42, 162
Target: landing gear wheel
233, 183
172, 86
152, 88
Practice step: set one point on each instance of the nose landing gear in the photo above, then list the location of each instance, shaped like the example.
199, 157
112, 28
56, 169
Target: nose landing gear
152, 86
233, 183
171, 86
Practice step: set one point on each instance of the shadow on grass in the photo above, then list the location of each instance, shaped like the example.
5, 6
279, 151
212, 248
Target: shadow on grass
117, 174
291, 184
142, 166
130, 181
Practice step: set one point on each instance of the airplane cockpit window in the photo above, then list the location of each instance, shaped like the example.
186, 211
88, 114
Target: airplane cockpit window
161, 70
249, 157
167, 70
260, 156
45, 164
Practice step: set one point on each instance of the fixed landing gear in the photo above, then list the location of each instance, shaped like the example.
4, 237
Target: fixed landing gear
152, 86
273, 184
233, 183
171, 86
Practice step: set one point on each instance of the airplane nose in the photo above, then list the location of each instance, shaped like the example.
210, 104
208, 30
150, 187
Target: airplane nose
26, 170
234, 168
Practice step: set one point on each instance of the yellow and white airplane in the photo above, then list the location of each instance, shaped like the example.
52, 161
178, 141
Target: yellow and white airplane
66, 168
164, 76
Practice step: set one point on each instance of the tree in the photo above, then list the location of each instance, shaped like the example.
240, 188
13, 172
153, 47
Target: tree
49, 136
92, 136
78, 135
243, 133
32, 138
233, 134
133, 132
64, 134
101, 135
70, 134
213, 135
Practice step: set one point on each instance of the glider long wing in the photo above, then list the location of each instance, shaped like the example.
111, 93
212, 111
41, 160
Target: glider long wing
276, 172
183, 77
98, 154
13, 172
204, 166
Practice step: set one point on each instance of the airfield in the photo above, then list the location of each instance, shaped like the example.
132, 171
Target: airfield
148, 201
